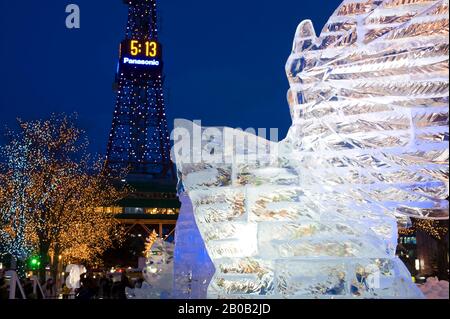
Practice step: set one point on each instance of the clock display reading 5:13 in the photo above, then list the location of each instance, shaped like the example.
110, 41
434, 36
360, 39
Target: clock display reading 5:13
150, 48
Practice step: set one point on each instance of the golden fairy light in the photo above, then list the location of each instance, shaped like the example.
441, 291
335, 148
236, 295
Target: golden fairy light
149, 242
50, 189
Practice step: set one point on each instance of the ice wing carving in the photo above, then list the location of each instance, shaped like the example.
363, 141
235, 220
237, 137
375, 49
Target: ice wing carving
368, 145
369, 98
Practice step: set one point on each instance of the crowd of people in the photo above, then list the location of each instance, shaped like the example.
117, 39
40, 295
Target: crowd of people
28, 288
106, 286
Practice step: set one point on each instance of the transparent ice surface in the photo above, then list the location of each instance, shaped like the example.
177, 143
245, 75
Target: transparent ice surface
316, 215
158, 273
193, 268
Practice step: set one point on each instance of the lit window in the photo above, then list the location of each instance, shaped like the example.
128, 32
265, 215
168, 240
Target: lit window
134, 210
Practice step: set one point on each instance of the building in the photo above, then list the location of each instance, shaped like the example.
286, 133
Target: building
424, 249
139, 142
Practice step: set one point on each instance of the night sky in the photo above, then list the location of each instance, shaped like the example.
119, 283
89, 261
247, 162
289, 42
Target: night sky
224, 60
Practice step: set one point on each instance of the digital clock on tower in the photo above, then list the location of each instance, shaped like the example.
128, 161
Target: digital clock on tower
140, 56
141, 48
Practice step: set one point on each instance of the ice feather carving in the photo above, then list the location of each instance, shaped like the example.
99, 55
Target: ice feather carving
368, 147
370, 97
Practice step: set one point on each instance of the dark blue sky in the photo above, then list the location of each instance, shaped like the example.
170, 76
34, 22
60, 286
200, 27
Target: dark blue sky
224, 60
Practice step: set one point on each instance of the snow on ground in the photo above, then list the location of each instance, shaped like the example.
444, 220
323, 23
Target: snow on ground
435, 289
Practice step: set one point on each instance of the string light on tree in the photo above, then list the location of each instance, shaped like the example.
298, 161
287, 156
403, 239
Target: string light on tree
50, 193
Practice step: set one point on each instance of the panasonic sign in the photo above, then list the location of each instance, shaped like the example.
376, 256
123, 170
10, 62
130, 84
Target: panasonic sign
153, 62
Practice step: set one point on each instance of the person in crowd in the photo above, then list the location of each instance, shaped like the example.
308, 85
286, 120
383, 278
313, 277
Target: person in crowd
65, 291
110, 285
86, 291
94, 285
28, 290
4, 293
118, 288
105, 287
49, 289
139, 282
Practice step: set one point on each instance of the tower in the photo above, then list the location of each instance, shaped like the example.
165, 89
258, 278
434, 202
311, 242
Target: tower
139, 139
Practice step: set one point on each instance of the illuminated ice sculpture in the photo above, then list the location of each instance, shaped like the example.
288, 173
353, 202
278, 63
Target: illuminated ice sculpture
158, 271
315, 216
73, 281
193, 268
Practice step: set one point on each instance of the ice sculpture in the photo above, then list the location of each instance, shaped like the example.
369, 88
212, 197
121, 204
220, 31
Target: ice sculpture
315, 216
193, 268
74, 278
158, 271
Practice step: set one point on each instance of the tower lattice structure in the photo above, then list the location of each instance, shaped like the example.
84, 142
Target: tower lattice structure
139, 140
